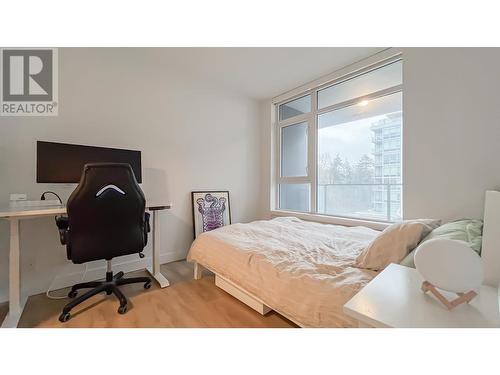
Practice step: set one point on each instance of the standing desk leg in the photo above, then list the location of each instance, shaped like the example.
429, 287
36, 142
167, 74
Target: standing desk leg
155, 270
16, 302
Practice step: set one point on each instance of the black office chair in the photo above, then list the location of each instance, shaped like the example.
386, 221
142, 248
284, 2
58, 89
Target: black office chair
106, 218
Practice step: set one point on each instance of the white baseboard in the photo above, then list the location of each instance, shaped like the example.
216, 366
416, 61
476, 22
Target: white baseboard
69, 279
172, 257
66, 280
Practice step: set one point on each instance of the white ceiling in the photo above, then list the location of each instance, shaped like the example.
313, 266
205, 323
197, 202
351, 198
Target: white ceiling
261, 72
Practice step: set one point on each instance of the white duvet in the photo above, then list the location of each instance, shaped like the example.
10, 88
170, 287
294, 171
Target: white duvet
301, 269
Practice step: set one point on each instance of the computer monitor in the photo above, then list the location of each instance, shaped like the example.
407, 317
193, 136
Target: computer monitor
63, 163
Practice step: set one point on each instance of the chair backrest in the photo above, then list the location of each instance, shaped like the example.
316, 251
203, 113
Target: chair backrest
106, 214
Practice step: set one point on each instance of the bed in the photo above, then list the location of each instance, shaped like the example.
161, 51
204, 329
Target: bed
302, 270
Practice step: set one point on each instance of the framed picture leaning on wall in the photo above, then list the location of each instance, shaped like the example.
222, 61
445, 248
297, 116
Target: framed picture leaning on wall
211, 210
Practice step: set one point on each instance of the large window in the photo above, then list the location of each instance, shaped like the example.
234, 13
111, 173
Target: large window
340, 150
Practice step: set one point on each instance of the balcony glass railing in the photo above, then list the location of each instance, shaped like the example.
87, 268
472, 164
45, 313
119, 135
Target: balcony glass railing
363, 201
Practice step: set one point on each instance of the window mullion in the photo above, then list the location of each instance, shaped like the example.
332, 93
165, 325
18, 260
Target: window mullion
295, 180
294, 120
312, 155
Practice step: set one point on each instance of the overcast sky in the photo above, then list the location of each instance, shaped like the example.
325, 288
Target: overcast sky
350, 140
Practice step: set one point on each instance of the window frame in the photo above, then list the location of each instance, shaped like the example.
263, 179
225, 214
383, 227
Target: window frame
307, 118
311, 119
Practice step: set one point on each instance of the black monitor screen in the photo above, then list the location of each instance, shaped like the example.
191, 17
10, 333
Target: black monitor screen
60, 162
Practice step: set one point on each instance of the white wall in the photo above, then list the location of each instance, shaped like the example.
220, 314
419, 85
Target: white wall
192, 135
267, 163
451, 137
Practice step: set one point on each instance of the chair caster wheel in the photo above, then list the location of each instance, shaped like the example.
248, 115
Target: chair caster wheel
122, 309
64, 317
72, 294
147, 285
108, 292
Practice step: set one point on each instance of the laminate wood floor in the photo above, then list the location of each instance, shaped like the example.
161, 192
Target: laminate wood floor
186, 303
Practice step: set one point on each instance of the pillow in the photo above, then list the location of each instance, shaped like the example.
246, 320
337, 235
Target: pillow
394, 243
467, 230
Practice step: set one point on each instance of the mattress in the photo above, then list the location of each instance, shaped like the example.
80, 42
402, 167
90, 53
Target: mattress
301, 269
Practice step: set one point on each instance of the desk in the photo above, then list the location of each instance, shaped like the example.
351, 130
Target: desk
15, 214
394, 299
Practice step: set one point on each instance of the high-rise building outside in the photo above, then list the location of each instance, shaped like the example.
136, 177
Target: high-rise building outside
387, 191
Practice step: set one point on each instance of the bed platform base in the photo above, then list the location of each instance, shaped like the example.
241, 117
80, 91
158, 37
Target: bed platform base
197, 271
239, 293
234, 290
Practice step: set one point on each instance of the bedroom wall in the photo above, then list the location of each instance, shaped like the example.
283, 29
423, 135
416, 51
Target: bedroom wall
193, 136
266, 137
451, 131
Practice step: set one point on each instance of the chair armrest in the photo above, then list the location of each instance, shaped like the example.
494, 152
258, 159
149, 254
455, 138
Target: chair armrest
62, 223
147, 227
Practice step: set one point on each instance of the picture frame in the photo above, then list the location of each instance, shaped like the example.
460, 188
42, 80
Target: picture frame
211, 210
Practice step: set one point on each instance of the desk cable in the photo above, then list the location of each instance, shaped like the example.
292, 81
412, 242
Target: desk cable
42, 197
52, 283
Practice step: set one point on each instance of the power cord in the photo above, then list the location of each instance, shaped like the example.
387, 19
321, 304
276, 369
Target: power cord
52, 283
50, 192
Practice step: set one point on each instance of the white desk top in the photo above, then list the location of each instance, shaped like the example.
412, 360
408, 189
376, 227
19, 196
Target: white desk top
394, 299
8, 212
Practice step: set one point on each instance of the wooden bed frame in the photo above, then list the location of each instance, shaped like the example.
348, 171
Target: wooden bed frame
239, 293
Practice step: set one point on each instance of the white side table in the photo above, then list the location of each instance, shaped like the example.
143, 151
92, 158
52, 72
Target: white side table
394, 299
